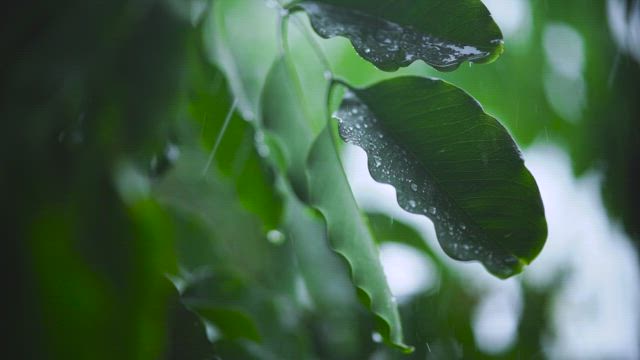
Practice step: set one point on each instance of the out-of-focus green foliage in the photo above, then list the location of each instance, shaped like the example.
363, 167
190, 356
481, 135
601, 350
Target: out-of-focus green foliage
83, 109
132, 239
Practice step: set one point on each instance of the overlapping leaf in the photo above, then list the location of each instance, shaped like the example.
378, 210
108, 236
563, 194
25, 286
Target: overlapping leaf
453, 163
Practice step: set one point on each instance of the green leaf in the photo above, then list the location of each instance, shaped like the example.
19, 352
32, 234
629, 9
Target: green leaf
452, 162
285, 116
350, 236
232, 323
187, 336
315, 167
393, 34
331, 293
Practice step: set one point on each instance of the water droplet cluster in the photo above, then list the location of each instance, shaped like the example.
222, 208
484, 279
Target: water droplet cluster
385, 43
416, 190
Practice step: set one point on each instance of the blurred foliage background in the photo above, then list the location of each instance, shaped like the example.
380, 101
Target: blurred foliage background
130, 241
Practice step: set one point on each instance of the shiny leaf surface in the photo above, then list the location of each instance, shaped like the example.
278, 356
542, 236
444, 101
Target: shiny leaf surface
453, 163
393, 34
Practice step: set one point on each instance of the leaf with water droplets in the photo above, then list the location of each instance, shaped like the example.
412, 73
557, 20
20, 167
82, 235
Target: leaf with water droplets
453, 163
393, 34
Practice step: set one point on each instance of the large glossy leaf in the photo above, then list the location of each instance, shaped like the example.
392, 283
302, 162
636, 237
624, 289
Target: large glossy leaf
314, 167
452, 162
393, 34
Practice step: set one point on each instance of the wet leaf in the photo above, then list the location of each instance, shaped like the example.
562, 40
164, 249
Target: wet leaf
393, 34
453, 163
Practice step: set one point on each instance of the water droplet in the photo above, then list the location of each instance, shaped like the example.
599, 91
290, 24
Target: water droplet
376, 337
172, 152
153, 164
377, 161
414, 186
276, 237
248, 115
358, 126
432, 210
263, 150
380, 135
328, 75
412, 203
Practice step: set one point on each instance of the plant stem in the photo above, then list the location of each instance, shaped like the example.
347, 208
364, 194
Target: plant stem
220, 135
315, 46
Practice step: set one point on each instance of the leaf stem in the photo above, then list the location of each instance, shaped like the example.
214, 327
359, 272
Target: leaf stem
291, 66
315, 46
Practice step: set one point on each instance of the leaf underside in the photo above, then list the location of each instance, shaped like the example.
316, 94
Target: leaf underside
393, 34
314, 168
350, 235
453, 163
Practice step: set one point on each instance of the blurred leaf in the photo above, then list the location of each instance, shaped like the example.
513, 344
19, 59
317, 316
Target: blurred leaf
236, 27
334, 305
442, 33
453, 163
284, 115
389, 229
232, 323
209, 103
313, 166
438, 320
86, 86
187, 334
329, 288
230, 264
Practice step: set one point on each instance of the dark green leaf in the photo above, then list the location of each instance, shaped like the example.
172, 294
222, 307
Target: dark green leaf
452, 162
393, 34
232, 323
187, 337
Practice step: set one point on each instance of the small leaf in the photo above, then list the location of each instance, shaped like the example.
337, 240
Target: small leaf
232, 323
452, 162
393, 34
